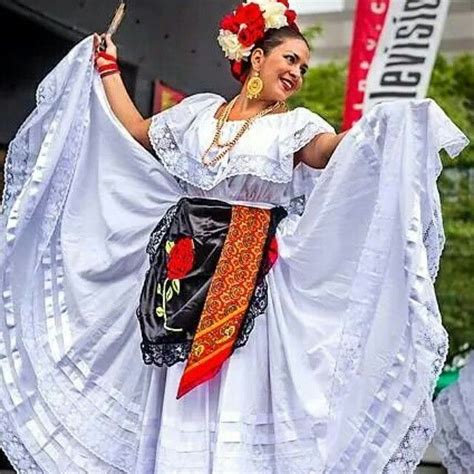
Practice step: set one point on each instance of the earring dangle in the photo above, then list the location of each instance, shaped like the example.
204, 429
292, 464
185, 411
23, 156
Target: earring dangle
254, 86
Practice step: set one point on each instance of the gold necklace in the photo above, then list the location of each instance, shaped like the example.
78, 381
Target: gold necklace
222, 120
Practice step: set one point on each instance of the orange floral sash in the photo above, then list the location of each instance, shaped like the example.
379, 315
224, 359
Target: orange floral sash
229, 296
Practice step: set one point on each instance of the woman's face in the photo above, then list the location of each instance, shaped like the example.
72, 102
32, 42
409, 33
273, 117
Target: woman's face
282, 70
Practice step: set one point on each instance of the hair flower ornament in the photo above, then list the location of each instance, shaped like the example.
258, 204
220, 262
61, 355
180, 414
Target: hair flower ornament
244, 27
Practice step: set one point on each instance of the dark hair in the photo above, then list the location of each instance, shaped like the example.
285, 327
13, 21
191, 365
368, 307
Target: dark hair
272, 39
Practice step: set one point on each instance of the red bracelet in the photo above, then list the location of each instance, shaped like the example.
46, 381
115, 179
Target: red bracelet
108, 67
109, 73
109, 57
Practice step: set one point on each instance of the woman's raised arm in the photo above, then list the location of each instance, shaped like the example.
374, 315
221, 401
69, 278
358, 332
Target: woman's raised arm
319, 150
118, 97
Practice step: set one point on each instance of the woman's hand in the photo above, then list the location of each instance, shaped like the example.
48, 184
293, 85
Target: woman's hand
110, 50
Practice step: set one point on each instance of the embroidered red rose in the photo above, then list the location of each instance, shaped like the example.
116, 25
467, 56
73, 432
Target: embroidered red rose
181, 258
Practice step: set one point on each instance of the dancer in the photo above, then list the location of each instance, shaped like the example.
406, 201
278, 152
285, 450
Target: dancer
254, 293
172, 313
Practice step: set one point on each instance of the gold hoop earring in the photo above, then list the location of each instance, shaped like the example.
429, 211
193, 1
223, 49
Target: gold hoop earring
254, 86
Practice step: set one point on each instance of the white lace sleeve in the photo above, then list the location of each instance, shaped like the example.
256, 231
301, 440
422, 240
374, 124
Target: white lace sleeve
295, 135
299, 128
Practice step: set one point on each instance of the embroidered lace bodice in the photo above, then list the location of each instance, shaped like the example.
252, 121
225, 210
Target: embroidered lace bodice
259, 169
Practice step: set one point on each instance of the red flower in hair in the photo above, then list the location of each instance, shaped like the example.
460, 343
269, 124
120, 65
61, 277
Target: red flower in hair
251, 16
290, 16
237, 69
248, 37
248, 23
229, 23
181, 258
248, 13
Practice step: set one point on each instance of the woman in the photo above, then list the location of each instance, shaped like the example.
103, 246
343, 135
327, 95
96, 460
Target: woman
274, 70
286, 318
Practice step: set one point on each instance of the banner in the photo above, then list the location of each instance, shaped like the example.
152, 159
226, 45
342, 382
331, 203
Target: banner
368, 24
393, 52
165, 97
406, 52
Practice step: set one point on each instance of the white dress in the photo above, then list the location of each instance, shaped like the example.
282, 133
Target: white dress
337, 375
454, 408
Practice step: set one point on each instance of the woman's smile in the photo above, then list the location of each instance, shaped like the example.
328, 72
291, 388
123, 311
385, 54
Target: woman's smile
287, 84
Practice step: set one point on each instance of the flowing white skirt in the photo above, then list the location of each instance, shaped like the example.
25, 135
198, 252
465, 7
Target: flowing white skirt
454, 437
337, 375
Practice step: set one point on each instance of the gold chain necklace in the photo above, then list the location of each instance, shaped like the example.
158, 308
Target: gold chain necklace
221, 121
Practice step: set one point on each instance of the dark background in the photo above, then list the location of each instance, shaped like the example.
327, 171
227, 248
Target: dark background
170, 40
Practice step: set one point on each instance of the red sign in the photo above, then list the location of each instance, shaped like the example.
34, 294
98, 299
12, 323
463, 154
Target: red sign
369, 20
165, 97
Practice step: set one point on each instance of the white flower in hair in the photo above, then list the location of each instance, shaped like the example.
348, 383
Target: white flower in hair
231, 46
273, 13
275, 16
